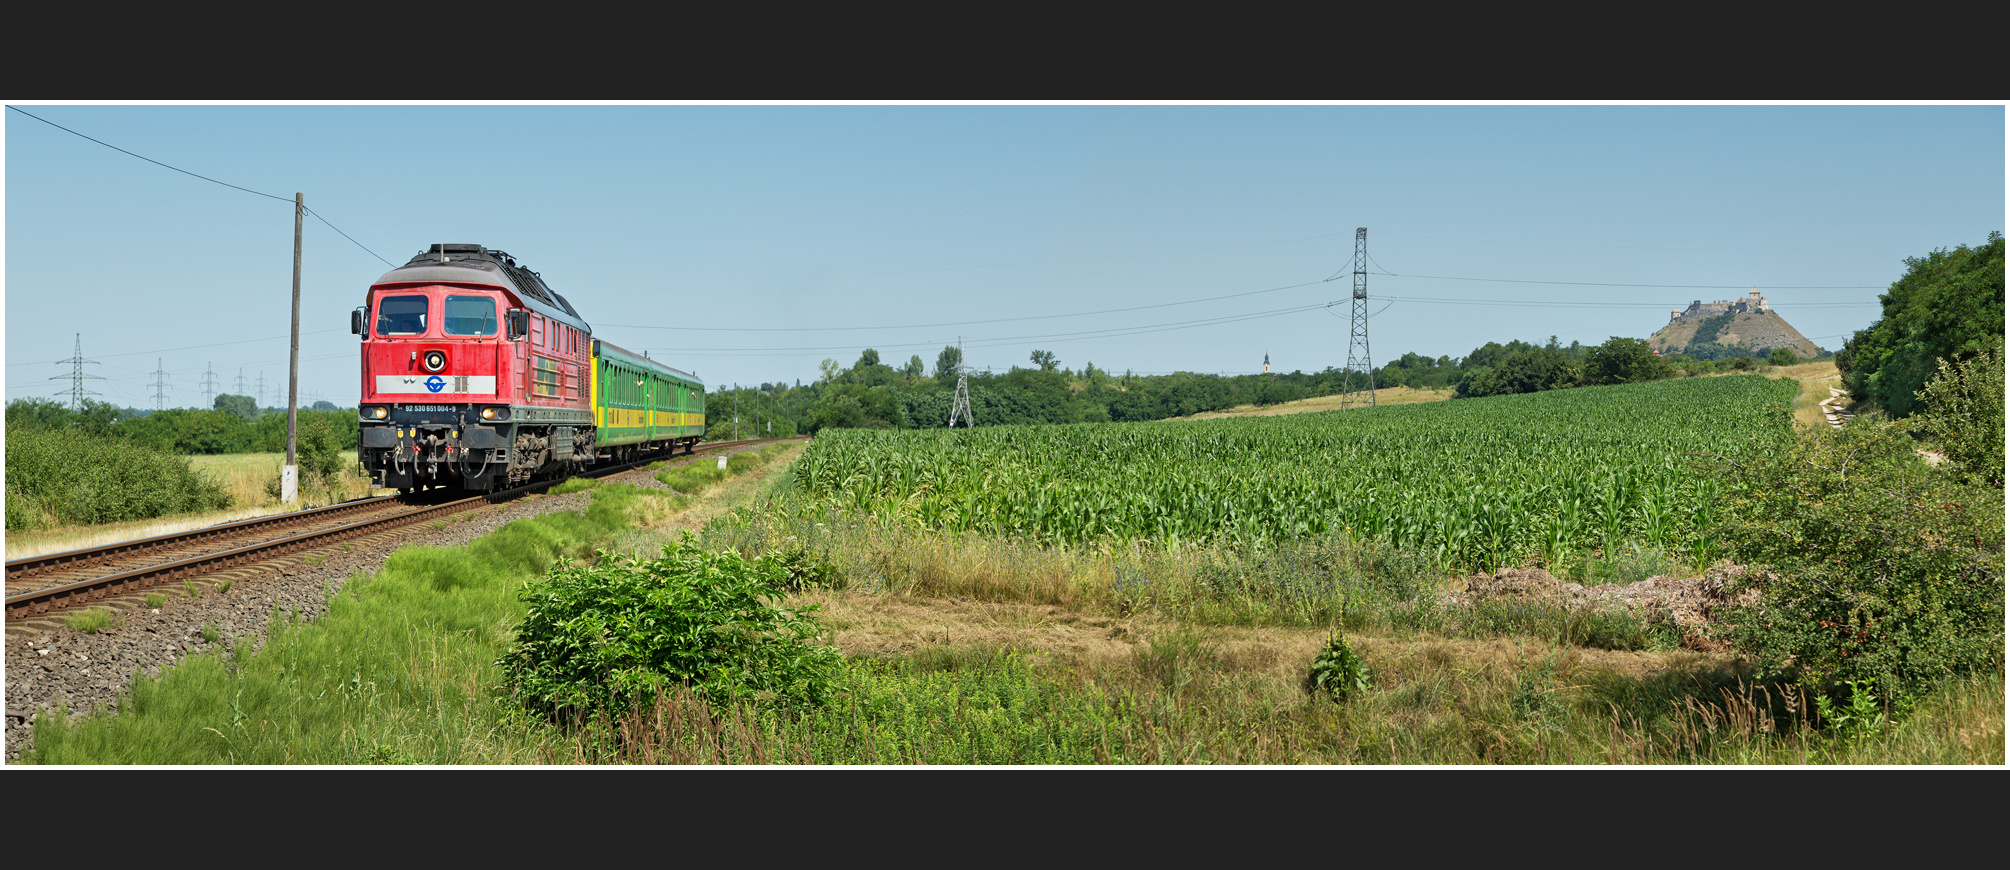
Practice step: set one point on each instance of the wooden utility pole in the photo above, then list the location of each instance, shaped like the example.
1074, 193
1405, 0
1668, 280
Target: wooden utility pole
289, 477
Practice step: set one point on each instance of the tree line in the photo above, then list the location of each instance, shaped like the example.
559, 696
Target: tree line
871, 394
234, 425
1947, 306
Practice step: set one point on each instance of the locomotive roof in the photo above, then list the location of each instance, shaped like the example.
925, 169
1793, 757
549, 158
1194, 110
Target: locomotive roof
474, 264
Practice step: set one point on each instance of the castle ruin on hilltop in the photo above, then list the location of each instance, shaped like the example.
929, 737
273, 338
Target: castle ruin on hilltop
1753, 303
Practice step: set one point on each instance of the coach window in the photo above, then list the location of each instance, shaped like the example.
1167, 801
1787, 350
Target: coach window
471, 315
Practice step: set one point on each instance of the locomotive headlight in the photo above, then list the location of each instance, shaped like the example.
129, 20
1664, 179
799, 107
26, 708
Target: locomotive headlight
380, 412
488, 413
435, 360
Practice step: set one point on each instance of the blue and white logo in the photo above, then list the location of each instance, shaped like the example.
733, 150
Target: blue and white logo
434, 383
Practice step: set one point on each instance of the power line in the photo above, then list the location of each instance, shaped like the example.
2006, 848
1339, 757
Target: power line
989, 342
283, 199
1328, 279
147, 159
1656, 286
198, 346
979, 322
1551, 303
1007, 265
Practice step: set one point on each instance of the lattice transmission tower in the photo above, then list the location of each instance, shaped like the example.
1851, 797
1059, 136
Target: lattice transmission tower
962, 405
1357, 339
160, 384
209, 385
76, 362
240, 384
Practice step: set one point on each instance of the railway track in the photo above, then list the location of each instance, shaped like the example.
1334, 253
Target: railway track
42, 586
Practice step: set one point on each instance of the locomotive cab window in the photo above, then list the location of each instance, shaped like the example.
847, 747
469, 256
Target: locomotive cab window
401, 315
470, 315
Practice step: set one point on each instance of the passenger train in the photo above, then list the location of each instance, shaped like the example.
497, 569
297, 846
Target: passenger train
478, 376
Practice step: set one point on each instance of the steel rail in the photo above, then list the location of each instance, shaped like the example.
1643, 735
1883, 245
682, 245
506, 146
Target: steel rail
32, 566
41, 602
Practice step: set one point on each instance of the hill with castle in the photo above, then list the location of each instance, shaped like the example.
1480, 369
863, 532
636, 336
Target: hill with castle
1714, 330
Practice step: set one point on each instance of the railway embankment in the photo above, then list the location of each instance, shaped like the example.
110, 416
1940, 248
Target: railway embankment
79, 672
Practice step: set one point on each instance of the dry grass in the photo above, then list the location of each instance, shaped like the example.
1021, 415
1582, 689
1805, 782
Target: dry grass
247, 475
1387, 396
1816, 378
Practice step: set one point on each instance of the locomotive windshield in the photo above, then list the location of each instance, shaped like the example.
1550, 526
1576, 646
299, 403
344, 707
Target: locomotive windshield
401, 315
471, 315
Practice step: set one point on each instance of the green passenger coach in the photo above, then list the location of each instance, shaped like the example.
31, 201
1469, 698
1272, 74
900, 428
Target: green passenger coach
640, 404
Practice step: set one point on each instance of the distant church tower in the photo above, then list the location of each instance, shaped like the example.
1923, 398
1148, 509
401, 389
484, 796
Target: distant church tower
1266, 363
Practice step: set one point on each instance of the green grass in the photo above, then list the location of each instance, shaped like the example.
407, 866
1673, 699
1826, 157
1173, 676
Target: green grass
575, 484
401, 669
91, 621
1183, 700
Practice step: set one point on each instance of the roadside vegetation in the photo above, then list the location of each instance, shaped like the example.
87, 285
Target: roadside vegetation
401, 669
962, 647
67, 470
1257, 590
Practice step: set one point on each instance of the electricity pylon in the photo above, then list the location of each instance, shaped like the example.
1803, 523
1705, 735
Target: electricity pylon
209, 384
1358, 334
160, 384
962, 405
76, 392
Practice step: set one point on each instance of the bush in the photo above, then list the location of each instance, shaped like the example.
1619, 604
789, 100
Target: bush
1870, 565
1337, 672
1964, 412
612, 636
70, 477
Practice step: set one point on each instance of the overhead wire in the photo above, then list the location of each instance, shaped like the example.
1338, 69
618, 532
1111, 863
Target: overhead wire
317, 216
973, 322
1068, 336
189, 347
1110, 332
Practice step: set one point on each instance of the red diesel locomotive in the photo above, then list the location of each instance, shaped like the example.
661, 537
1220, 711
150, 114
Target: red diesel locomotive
476, 375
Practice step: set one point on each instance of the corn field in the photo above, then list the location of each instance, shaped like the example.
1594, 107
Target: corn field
1482, 483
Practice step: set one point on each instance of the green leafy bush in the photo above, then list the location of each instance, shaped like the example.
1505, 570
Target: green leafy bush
1964, 411
1337, 671
606, 637
1870, 565
71, 477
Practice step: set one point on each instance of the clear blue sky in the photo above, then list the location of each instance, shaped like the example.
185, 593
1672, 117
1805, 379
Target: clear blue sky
834, 228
